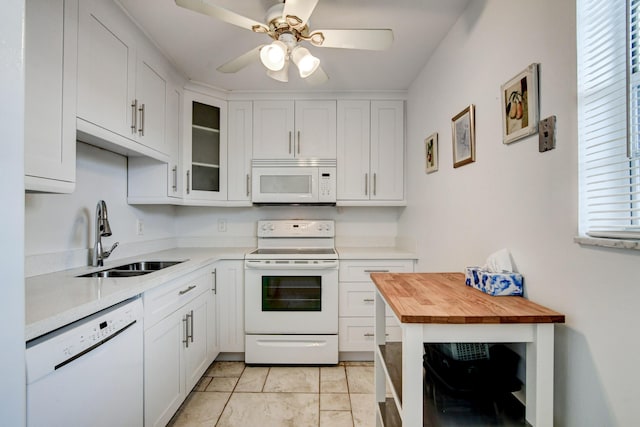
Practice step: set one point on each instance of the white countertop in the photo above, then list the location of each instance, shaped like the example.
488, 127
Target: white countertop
384, 252
57, 299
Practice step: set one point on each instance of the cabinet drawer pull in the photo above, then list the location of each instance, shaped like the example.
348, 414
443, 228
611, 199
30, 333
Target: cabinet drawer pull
289, 142
248, 184
299, 141
190, 288
185, 341
374, 184
134, 115
366, 184
369, 334
367, 300
191, 335
376, 271
188, 182
215, 282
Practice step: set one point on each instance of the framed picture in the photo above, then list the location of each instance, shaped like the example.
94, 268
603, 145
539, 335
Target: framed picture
464, 137
520, 105
431, 153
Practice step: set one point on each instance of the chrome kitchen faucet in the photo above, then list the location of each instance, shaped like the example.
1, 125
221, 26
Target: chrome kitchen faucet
102, 229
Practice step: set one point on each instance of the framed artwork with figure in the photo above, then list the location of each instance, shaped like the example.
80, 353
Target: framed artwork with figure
464, 137
431, 153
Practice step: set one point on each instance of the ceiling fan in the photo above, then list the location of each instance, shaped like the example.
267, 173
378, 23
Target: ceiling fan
286, 23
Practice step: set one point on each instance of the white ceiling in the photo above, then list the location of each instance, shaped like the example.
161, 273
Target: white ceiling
198, 44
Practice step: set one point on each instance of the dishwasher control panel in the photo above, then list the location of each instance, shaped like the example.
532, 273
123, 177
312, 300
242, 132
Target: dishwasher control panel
62, 346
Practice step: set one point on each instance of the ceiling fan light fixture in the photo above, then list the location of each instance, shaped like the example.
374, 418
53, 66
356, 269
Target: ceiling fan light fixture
280, 75
307, 64
273, 56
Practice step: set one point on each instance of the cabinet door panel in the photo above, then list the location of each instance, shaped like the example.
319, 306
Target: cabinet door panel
163, 380
230, 278
240, 145
315, 135
273, 129
151, 89
353, 133
106, 60
195, 355
387, 150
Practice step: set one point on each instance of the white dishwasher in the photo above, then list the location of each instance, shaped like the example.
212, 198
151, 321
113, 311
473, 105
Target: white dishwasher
88, 373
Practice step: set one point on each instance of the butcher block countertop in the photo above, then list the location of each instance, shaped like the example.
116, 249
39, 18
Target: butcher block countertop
444, 298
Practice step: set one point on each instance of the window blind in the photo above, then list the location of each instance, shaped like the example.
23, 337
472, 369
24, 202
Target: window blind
608, 120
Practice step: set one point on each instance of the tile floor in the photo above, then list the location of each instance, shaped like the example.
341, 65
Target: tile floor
231, 394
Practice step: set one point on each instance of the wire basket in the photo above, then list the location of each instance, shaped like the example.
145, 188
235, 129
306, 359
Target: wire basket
465, 351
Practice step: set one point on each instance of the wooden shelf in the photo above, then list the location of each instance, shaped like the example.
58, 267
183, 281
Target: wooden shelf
206, 129
391, 354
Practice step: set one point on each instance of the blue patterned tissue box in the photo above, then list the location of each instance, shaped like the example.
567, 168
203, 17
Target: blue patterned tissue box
505, 283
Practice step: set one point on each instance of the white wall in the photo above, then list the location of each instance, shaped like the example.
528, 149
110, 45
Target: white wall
515, 197
12, 390
60, 227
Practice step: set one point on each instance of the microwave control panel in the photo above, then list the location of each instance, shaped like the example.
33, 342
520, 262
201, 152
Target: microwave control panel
327, 184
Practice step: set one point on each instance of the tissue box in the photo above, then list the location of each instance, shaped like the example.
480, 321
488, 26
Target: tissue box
505, 283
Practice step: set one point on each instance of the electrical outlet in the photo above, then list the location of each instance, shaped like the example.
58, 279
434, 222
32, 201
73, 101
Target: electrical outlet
547, 134
222, 225
139, 227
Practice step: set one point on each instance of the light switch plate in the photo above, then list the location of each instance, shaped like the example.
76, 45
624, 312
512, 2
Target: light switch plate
547, 134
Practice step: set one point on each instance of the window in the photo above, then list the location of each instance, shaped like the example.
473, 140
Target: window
608, 117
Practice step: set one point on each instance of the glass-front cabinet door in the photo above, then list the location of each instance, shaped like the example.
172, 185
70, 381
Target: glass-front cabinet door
205, 148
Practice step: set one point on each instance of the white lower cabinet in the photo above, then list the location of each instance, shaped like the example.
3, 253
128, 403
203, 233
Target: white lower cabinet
178, 323
230, 286
356, 304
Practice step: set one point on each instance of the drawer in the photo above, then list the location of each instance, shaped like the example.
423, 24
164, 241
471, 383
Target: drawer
359, 271
356, 333
357, 299
165, 299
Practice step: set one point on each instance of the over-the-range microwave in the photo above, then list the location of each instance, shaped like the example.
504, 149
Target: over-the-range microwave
293, 181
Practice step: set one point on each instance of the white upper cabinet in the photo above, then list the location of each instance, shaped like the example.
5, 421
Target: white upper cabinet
239, 148
370, 153
50, 95
294, 129
121, 86
205, 147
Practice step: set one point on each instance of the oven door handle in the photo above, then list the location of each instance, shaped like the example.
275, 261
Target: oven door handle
258, 265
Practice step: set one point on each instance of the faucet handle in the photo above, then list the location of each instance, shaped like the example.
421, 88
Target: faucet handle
106, 254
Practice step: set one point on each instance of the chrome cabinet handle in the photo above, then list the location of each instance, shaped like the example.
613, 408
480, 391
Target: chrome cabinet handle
215, 282
190, 288
376, 271
369, 334
134, 115
188, 182
191, 316
248, 184
366, 184
367, 300
141, 128
175, 178
289, 142
374, 184
299, 141
186, 331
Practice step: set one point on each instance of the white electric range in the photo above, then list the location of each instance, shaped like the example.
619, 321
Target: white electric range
291, 294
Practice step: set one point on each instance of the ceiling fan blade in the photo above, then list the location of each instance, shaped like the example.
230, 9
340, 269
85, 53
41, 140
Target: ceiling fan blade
318, 77
206, 8
300, 8
368, 39
241, 61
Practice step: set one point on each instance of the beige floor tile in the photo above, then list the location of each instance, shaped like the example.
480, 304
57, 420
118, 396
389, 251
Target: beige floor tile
334, 402
293, 379
333, 379
225, 369
222, 384
252, 379
363, 408
271, 409
202, 384
360, 379
335, 419
200, 409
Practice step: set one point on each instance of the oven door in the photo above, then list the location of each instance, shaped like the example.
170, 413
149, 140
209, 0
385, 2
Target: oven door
291, 297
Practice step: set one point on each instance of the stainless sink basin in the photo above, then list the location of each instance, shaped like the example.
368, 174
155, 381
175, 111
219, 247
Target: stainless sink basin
133, 269
147, 265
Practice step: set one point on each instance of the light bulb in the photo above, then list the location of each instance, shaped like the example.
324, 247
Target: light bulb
273, 55
305, 62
